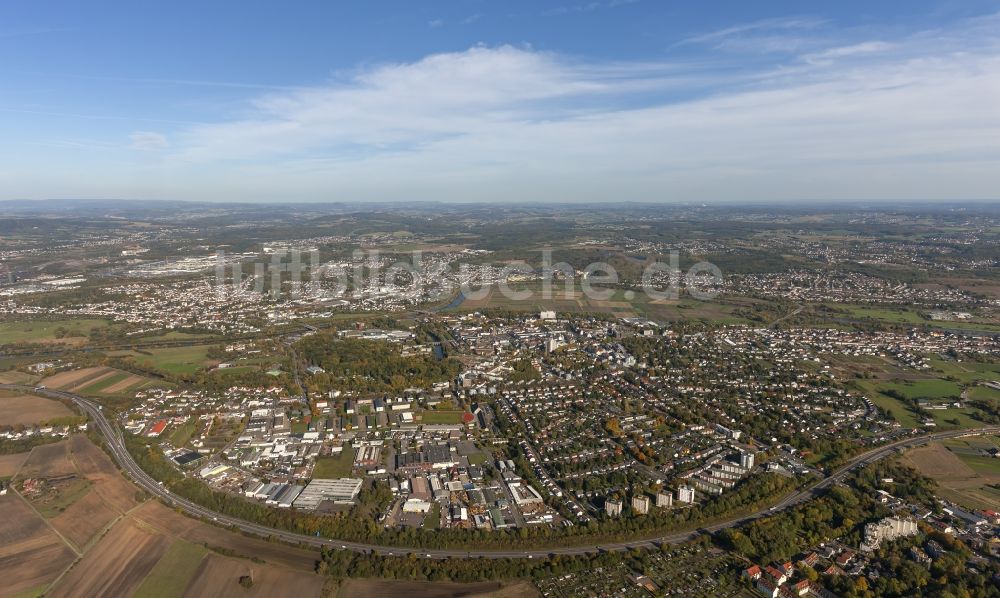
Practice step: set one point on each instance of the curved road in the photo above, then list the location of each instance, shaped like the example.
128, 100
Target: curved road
116, 446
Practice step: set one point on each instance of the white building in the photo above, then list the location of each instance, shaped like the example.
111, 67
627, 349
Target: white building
640, 504
888, 529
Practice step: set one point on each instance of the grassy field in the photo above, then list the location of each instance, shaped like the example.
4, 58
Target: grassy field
896, 316
932, 389
45, 331
620, 302
183, 361
181, 435
172, 573
433, 518
968, 372
983, 393
910, 317
962, 476
336, 466
896, 408
52, 505
956, 418
441, 417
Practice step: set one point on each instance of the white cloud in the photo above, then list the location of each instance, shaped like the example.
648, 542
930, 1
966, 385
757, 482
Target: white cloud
435, 23
831, 54
916, 118
148, 141
784, 33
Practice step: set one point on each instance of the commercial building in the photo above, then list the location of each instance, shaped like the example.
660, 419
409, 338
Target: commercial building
340, 491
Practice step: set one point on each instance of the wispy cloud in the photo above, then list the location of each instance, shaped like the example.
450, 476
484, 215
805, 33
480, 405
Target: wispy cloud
148, 141
892, 117
588, 7
766, 35
831, 54
435, 23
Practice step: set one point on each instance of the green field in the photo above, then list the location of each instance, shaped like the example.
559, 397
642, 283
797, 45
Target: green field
909, 317
50, 506
337, 466
620, 302
441, 417
181, 435
172, 573
45, 331
433, 518
983, 393
98, 387
982, 465
947, 418
896, 408
183, 361
932, 389
968, 372
896, 316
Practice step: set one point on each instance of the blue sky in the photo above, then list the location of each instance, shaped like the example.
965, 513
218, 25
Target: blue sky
609, 100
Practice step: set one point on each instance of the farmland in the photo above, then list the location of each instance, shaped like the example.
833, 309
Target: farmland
382, 588
971, 487
173, 571
98, 381
9, 464
28, 410
146, 551
75, 485
31, 554
621, 303
181, 361
69, 332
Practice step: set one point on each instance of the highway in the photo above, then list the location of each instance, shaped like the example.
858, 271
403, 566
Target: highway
116, 446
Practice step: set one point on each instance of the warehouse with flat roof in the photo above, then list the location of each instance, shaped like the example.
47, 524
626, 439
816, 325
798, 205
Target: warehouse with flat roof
340, 491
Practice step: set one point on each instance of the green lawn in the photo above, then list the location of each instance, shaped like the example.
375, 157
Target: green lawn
172, 573
442, 417
41, 331
337, 466
477, 459
433, 518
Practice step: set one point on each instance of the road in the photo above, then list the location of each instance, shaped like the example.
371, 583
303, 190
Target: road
116, 446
